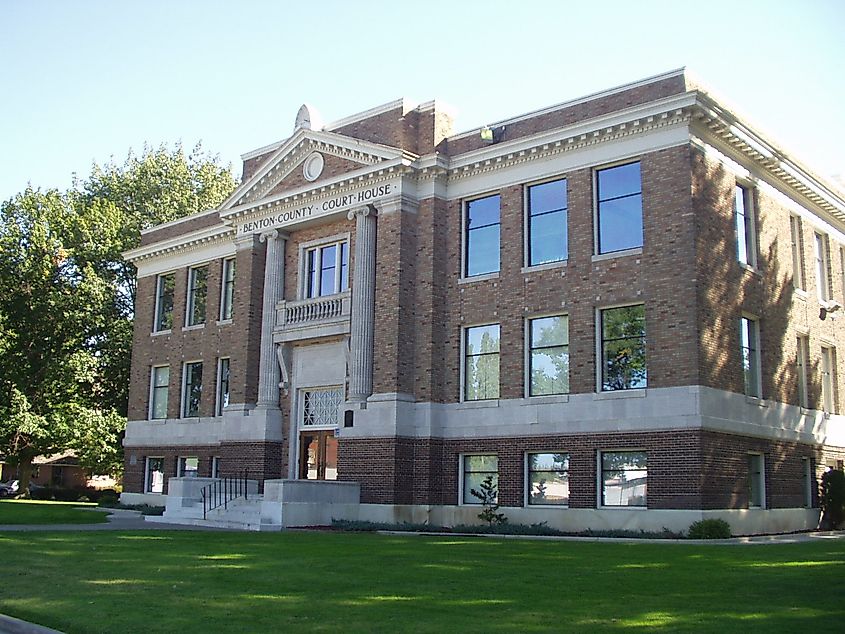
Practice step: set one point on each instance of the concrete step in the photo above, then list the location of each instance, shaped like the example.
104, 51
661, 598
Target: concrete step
254, 525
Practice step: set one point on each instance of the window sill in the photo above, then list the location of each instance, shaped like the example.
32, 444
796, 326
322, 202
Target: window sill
159, 333
560, 264
607, 396
194, 327
546, 398
623, 508
223, 322
756, 400
547, 506
801, 294
479, 278
750, 269
617, 254
490, 402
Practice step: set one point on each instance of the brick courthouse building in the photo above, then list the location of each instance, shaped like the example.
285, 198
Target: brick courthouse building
625, 308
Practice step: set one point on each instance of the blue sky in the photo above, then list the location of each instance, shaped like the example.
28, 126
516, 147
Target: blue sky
84, 81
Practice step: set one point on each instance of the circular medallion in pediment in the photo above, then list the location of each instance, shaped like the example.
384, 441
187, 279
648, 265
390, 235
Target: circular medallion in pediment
313, 166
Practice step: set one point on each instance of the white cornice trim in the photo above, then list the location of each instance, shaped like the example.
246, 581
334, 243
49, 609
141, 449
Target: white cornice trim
574, 102
192, 240
624, 123
746, 142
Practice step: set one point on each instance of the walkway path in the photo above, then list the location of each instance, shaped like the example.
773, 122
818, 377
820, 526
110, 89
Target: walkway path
118, 520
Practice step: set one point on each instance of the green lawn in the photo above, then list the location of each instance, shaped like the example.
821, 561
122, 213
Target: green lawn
268, 582
41, 512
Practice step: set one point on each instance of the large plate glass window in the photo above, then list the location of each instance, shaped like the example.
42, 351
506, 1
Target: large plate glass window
619, 198
165, 285
481, 363
548, 355
623, 348
193, 390
475, 470
482, 236
624, 478
547, 223
327, 269
548, 479
158, 397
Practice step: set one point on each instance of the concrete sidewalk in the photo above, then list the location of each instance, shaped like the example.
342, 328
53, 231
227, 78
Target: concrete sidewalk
118, 520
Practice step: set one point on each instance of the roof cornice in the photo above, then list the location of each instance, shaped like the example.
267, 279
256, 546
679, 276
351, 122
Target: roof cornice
746, 141
193, 240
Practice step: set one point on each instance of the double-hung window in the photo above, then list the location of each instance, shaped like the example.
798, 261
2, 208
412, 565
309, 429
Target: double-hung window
623, 359
197, 295
192, 390
547, 222
481, 363
188, 467
227, 291
624, 478
165, 285
548, 479
222, 384
822, 267
749, 333
619, 208
481, 236
154, 475
475, 470
796, 237
827, 369
548, 356
746, 239
158, 392
803, 369
327, 269
756, 481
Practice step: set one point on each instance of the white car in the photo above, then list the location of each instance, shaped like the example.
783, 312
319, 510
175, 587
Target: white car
8, 489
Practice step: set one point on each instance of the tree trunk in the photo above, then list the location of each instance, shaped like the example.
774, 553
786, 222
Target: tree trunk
25, 471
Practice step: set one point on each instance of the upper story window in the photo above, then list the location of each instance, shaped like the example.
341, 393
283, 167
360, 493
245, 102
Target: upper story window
327, 269
547, 222
750, 344
192, 393
222, 384
197, 295
796, 236
165, 285
481, 236
802, 361
746, 240
623, 348
481, 363
548, 360
822, 267
828, 382
619, 208
158, 392
227, 292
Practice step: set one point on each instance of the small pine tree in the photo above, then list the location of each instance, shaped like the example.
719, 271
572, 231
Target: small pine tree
488, 496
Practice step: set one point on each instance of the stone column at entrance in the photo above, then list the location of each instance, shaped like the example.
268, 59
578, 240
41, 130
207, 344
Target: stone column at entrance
274, 276
363, 304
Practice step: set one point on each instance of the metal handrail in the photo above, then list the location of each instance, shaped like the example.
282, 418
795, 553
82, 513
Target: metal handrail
222, 491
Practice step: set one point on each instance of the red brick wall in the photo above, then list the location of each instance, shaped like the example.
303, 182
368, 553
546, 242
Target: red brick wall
687, 469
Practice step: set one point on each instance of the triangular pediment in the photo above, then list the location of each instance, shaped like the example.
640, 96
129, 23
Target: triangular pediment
293, 165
